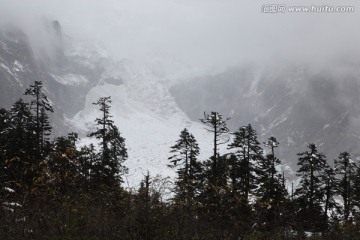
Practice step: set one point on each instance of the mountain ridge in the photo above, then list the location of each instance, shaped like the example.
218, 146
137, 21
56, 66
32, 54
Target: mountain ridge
292, 102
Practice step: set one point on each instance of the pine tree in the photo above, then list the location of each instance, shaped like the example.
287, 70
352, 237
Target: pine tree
346, 168
143, 214
272, 143
310, 194
113, 151
45, 131
270, 183
63, 165
216, 125
88, 160
19, 146
248, 154
117, 154
41, 105
103, 123
236, 207
184, 158
214, 177
20, 135
4, 125
356, 191
330, 190
271, 193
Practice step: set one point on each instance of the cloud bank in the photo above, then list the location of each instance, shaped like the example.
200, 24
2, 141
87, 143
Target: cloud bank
201, 33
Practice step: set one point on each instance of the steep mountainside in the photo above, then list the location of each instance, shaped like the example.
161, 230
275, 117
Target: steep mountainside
18, 65
67, 77
68, 69
76, 74
297, 104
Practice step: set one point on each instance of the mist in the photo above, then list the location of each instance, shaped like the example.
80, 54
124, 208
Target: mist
202, 34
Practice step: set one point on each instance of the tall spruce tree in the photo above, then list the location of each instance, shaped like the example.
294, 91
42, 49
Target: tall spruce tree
310, 194
109, 167
41, 105
4, 125
184, 159
217, 126
331, 183
271, 192
356, 192
248, 154
19, 146
270, 183
346, 169
63, 165
88, 160
117, 153
272, 143
20, 135
214, 177
143, 224
45, 131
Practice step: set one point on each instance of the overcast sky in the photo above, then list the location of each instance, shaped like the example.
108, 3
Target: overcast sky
204, 33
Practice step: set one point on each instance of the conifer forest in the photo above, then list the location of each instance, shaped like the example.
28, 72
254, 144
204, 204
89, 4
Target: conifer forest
53, 189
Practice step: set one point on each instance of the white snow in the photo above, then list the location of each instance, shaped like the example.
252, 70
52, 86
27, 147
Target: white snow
12, 204
147, 117
4, 46
6, 68
342, 117
253, 91
9, 189
18, 67
70, 79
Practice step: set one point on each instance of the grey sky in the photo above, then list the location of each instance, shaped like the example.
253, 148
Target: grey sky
203, 33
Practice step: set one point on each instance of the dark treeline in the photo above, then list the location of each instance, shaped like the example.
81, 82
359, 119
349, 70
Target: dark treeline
52, 189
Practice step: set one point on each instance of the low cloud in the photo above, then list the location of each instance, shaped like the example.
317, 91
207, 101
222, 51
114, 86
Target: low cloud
204, 34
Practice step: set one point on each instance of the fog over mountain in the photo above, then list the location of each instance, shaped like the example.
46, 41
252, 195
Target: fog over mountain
292, 75
198, 33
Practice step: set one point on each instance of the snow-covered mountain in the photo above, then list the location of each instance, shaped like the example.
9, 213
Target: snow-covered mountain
147, 115
79, 74
297, 103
